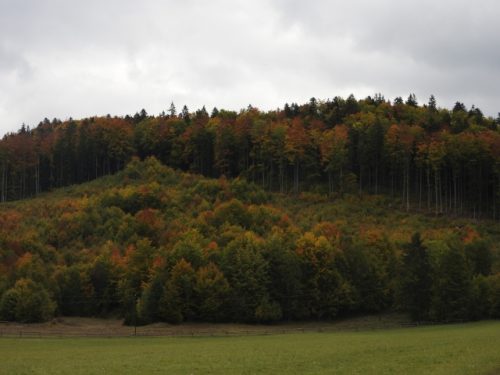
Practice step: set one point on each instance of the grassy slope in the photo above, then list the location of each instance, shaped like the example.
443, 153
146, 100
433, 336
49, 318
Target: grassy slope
453, 349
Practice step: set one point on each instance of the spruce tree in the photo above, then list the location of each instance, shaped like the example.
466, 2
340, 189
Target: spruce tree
416, 280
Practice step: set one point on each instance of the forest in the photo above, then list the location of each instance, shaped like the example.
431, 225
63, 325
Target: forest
432, 159
152, 244
314, 212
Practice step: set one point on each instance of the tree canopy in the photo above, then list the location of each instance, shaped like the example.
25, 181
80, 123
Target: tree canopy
154, 244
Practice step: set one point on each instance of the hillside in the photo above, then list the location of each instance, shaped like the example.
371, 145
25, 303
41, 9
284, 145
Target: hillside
437, 160
153, 244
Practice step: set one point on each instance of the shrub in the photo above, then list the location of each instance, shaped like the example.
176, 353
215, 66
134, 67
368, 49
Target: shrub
27, 302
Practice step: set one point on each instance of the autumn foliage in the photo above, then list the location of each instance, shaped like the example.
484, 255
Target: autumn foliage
300, 213
152, 244
429, 158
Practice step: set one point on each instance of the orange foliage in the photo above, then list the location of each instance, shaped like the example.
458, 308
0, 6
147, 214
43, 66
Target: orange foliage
10, 220
151, 218
24, 260
158, 262
470, 235
211, 248
328, 230
371, 235
284, 221
297, 140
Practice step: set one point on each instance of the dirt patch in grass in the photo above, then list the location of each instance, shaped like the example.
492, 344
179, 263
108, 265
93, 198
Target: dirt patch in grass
77, 326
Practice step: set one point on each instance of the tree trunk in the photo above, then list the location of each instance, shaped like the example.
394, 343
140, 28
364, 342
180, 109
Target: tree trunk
282, 177
392, 183
341, 182
263, 180
2, 196
436, 190
408, 186
428, 189
271, 175
296, 183
420, 189
403, 198
360, 180
455, 193
330, 183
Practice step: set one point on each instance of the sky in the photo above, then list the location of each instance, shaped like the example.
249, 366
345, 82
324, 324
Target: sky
67, 58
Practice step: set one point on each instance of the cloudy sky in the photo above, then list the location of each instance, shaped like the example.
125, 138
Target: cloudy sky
68, 58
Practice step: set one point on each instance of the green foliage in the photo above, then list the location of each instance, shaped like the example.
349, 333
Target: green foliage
103, 280
73, 290
247, 273
416, 280
285, 284
233, 213
148, 305
267, 311
370, 271
481, 298
178, 301
325, 292
479, 256
189, 248
149, 244
31, 267
453, 286
8, 304
212, 293
247, 192
494, 285
27, 302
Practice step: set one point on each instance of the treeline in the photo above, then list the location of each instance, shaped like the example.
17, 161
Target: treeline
434, 159
150, 244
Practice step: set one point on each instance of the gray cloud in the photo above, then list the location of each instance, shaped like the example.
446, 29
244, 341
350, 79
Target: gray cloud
62, 58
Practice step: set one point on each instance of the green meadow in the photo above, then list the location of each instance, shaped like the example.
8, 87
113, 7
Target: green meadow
472, 348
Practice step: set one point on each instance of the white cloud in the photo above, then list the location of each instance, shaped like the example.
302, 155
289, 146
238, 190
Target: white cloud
65, 58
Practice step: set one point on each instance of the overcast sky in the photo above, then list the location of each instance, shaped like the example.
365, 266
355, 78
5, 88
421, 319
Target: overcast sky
68, 58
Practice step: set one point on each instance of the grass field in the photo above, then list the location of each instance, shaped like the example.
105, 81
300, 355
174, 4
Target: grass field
452, 349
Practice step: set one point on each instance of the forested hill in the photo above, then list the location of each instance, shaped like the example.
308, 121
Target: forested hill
153, 244
432, 159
